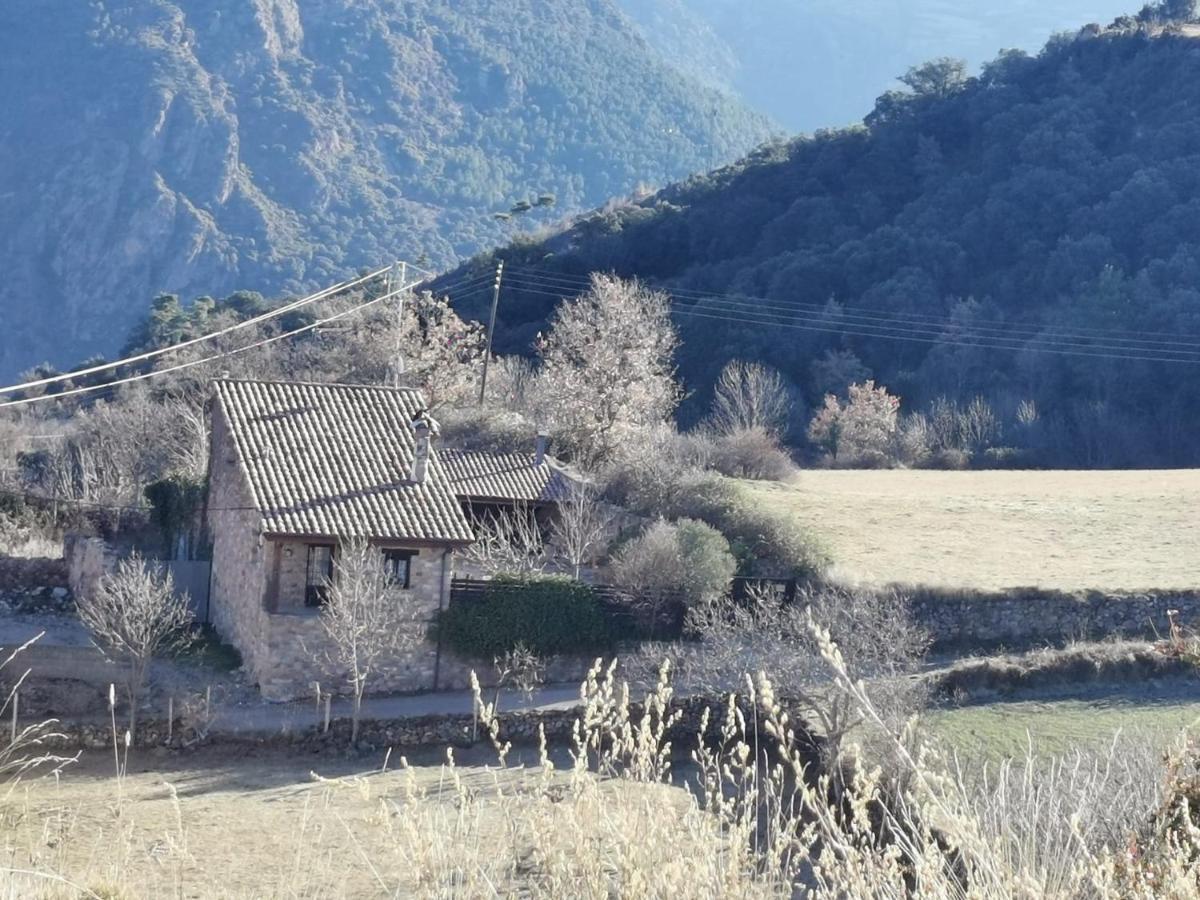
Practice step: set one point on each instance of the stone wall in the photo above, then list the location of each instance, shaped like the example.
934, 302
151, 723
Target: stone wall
297, 652
33, 585
1018, 618
401, 735
239, 569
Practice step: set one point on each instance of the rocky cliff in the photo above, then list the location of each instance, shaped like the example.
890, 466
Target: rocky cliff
198, 146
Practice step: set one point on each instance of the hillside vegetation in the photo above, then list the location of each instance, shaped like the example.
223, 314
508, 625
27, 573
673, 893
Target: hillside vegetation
1030, 235
201, 147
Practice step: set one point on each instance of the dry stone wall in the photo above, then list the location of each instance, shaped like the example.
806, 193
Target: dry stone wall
400, 735
1018, 618
34, 585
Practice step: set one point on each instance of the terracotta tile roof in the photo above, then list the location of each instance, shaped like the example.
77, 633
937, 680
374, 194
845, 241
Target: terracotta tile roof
335, 459
504, 476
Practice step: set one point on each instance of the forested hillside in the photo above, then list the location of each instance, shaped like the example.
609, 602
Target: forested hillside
199, 147
1031, 235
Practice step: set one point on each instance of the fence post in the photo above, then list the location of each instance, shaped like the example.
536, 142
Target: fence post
328, 698
16, 704
170, 718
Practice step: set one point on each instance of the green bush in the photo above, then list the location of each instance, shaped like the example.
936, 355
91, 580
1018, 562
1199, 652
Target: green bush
547, 614
779, 547
765, 543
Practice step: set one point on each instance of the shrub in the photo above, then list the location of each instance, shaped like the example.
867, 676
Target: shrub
487, 429
777, 546
750, 453
767, 543
654, 471
688, 560
708, 564
547, 614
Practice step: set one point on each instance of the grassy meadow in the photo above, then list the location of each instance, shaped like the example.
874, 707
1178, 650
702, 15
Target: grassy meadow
1056, 721
1067, 530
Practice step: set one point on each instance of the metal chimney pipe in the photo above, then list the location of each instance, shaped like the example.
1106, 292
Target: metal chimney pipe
539, 455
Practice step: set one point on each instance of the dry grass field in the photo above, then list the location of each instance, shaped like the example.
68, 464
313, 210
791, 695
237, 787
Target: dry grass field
229, 823
1119, 530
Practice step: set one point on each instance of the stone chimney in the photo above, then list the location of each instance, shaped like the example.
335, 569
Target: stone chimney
425, 432
539, 455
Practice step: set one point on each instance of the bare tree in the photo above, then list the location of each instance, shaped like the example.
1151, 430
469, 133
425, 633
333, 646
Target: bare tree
980, 426
366, 621
607, 366
134, 615
875, 634
508, 543
519, 668
581, 525
749, 396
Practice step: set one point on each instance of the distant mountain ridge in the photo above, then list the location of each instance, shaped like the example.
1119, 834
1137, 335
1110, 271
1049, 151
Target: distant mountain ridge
821, 63
202, 146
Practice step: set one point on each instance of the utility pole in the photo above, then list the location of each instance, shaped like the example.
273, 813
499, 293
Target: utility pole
487, 356
398, 364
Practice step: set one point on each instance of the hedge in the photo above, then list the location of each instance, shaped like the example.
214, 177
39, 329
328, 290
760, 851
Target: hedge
548, 614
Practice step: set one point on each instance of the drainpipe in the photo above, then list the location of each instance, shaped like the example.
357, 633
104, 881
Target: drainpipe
437, 658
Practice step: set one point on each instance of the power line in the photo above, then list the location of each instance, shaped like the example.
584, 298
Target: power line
154, 373
151, 354
934, 339
1019, 341
880, 325
108, 386
575, 282
914, 335
1081, 333
871, 319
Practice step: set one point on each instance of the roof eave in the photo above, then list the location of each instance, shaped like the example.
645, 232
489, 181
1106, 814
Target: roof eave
386, 539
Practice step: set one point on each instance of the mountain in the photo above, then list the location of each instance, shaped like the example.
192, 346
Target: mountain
201, 146
818, 63
1031, 235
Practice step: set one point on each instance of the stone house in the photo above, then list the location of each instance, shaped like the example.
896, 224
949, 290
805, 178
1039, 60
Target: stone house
295, 469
